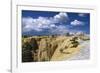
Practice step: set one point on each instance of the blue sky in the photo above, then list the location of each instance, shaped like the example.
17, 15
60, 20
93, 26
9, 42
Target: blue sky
47, 23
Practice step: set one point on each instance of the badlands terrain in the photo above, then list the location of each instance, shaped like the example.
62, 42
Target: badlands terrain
55, 48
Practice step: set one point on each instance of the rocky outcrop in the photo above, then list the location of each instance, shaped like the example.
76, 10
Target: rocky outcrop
26, 52
46, 48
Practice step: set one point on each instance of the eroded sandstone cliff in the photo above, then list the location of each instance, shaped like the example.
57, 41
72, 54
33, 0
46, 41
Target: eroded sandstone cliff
49, 48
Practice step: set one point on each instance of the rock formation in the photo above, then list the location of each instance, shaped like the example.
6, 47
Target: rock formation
48, 48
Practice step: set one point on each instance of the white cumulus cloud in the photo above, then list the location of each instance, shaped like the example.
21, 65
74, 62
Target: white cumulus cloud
82, 14
76, 23
41, 23
61, 17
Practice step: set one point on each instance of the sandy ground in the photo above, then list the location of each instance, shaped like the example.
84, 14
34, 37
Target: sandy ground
79, 53
84, 52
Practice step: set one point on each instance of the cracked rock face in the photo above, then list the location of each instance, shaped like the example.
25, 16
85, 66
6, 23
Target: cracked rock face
48, 48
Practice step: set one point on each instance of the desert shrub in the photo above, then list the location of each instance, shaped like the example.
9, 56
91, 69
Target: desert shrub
75, 43
53, 36
61, 50
74, 39
67, 34
24, 36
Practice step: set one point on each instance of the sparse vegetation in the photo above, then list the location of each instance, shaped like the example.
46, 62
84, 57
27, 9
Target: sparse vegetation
24, 36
